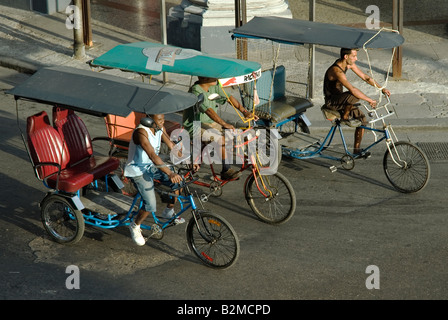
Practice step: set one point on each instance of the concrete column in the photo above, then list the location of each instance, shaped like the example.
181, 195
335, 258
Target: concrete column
204, 24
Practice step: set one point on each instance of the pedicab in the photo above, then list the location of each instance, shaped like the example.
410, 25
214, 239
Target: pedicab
405, 165
82, 186
269, 193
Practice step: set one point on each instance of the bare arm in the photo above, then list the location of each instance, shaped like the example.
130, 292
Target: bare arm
342, 78
214, 116
241, 108
368, 79
167, 140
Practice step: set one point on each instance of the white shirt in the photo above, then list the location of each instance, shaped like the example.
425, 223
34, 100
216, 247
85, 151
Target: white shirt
138, 160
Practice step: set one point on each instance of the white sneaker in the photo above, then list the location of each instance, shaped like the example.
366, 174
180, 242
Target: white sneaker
168, 213
136, 234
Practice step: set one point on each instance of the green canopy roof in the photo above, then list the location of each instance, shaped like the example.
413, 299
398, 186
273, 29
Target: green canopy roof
153, 58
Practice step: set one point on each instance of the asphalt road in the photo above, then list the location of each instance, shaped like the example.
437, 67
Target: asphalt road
345, 223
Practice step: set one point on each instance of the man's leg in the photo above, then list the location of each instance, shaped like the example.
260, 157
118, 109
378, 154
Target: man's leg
164, 179
214, 132
145, 186
346, 100
359, 132
227, 173
141, 216
346, 112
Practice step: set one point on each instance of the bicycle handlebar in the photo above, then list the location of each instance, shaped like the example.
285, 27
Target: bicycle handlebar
190, 172
379, 113
181, 185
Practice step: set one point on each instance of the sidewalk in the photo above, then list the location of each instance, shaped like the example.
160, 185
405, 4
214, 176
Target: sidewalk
30, 40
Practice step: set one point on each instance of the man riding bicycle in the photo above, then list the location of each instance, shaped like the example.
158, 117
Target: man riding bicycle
210, 120
144, 166
344, 102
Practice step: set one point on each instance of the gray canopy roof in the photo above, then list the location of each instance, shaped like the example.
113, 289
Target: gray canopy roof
296, 31
100, 94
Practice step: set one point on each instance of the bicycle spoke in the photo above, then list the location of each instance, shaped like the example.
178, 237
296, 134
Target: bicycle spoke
406, 167
214, 242
62, 222
271, 198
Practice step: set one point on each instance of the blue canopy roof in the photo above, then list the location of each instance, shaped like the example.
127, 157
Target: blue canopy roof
296, 31
100, 94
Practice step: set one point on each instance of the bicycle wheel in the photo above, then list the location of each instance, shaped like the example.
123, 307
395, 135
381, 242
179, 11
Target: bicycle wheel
61, 220
212, 239
406, 167
271, 198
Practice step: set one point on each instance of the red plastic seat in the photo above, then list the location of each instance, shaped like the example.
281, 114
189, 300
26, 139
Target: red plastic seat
50, 156
73, 130
74, 133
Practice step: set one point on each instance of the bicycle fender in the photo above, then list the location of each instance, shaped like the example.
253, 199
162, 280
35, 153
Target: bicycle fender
305, 119
73, 199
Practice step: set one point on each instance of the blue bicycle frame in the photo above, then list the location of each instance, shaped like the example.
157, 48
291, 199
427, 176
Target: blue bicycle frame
325, 144
110, 220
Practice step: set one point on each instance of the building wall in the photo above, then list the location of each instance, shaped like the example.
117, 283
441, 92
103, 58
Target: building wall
42, 6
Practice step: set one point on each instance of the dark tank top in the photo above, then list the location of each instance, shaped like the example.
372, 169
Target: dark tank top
332, 87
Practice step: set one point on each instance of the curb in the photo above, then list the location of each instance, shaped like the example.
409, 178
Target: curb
18, 65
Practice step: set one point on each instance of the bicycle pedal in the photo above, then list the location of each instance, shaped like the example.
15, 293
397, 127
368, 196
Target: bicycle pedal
364, 155
333, 169
156, 232
178, 221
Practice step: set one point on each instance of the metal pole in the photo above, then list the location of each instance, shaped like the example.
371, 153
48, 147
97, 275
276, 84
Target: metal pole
237, 13
240, 19
238, 24
244, 21
397, 24
78, 45
163, 21
163, 30
312, 17
86, 18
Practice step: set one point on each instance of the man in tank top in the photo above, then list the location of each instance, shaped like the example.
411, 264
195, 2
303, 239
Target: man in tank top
143, 166
343, 101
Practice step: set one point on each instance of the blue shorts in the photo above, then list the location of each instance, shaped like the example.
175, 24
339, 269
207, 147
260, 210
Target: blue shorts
145, 186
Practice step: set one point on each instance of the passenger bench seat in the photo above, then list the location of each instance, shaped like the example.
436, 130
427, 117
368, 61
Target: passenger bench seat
74, 132
48, 151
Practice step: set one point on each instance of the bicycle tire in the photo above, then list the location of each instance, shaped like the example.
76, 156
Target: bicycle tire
413, 176
279, 206
216, 244
64, 223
